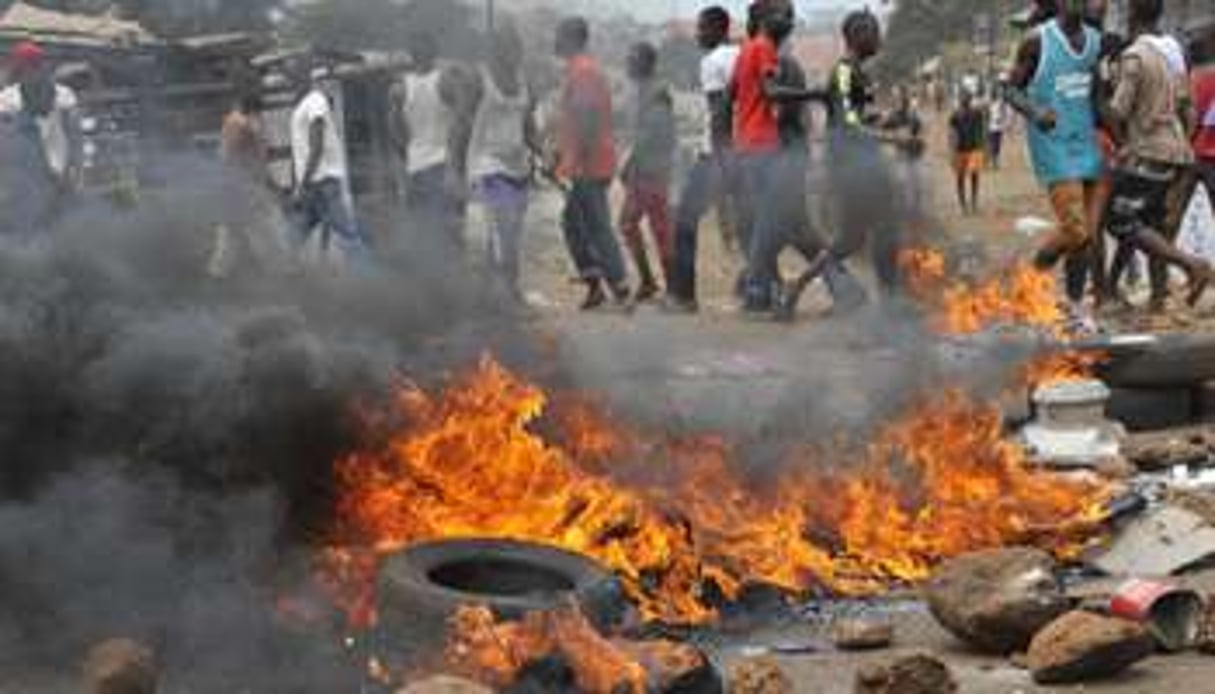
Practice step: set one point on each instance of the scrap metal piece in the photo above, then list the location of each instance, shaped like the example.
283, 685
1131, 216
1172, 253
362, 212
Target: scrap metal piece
1162, 542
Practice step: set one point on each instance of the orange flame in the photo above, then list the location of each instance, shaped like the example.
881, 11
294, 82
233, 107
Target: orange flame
483, 649
1022, 295
936, 484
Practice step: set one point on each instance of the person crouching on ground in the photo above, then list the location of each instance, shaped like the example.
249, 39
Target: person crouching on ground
966, 134
587, 159
647, 172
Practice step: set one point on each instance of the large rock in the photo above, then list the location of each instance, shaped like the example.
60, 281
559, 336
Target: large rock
997, 600
1081, 646
120, 666
916, 674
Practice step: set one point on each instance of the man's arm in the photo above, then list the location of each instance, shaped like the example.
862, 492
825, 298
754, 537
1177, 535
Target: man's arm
462, 93
1116, 111
779, 93
1029, 53
316, 149
398, 124
721, 120
73, 173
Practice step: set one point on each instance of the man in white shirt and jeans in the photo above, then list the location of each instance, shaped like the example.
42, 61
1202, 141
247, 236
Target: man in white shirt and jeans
321, 176
44, 146
708, 180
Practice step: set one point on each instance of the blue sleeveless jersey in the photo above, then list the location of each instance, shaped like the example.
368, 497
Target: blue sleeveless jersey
1063, 83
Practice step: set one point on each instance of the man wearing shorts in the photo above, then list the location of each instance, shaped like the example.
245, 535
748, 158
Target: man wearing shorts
966, 131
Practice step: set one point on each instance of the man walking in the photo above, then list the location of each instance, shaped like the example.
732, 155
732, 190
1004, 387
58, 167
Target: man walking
1053, 84
587, 158
709, 177
1149, 126
42, 120
425, 112
647, 173
997, 123
321, 192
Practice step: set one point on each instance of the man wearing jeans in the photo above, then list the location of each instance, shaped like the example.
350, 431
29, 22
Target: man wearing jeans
587, 158
319, 156
707, 179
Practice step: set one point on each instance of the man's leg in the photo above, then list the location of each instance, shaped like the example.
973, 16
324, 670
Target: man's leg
1179, 197
1138, 209
974, 191
658, 210
1067, 199
603, 240
339, 219
959, 179
693, 203
631, 215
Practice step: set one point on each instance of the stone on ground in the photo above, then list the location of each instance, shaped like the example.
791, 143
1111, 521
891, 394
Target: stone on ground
996, 601
916, 674
759, 676
445, 685
120, 666
1082, 646
861, 635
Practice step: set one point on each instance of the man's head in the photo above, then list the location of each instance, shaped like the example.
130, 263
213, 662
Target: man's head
27, 62
967, 99
423, 51
862, 34
713, 27
778, 19
643, 61
1145, 13
573, 36
1071, 12
507, 45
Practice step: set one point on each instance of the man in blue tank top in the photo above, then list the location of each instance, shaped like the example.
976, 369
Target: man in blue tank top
1053, 84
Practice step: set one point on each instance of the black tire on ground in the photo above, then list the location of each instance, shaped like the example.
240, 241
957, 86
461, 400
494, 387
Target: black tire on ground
423, 586
1175, 361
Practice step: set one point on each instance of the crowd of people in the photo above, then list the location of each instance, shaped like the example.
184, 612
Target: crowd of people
1110, 127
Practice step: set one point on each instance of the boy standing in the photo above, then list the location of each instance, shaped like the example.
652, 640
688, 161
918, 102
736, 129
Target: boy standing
647, 173
966, 130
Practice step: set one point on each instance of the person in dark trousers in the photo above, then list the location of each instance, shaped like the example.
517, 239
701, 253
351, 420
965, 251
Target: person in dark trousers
710, 176
862, 187
966, 135
647, 172
587, 159
758, 93
1148, 116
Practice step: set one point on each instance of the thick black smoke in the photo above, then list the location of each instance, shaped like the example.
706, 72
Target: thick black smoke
168, 436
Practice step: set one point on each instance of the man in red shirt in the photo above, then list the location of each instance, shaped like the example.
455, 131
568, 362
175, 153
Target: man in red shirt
758, 92
587, 158
1204, 103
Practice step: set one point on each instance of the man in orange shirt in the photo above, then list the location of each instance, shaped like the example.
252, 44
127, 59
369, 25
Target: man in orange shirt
1203, 82
587, 159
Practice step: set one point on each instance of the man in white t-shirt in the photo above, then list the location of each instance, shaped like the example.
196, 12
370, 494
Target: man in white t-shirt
321, 197
43, 143
708, 179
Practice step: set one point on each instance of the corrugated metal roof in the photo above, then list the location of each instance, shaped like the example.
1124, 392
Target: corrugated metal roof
23, 19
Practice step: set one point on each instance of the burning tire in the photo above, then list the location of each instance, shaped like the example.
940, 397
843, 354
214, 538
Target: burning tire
1169, 361
422, 587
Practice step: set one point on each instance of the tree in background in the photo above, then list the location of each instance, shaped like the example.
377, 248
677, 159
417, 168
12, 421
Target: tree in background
917, 30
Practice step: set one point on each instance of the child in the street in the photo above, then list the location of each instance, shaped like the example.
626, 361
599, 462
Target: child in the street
966, 135
648, 169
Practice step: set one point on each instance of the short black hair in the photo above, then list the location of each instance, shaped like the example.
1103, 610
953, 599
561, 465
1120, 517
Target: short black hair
646, 55
717, 17
576, 30
858, 23
1149, 10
